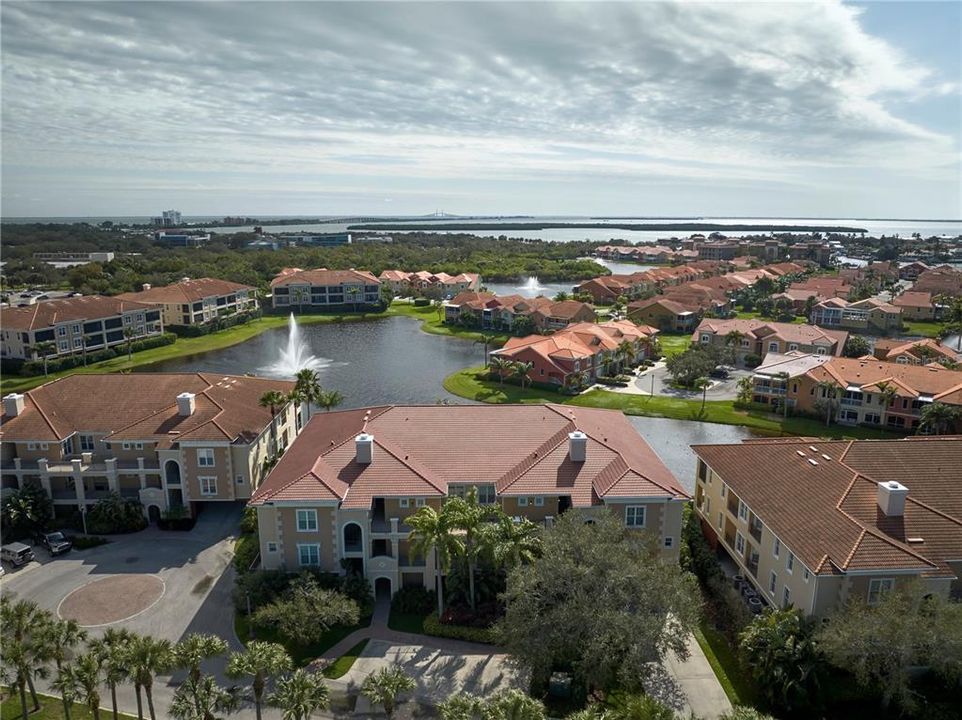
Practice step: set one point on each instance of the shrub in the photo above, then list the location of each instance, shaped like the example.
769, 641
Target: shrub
261, 587
246, 550
357, 588
752, 360
306, 611
116, 514
167, 338
421, 302
56, 364
414, 601
248, 522
433, 626
82, 542
220, 323
176, 518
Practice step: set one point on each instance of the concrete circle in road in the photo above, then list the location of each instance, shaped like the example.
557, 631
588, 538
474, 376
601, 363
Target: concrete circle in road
111, 599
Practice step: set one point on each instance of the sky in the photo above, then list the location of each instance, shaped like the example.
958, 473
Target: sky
778, 109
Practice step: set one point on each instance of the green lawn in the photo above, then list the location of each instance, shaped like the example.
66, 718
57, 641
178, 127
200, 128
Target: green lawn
51, 708
724, 662
302, 654
432, 322
927, 329
339, 667
469, 383
742, 315
674, 344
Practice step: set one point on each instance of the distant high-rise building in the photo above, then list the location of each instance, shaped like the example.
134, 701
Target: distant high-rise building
169, 218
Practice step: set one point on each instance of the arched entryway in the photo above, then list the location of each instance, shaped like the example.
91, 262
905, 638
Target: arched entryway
153, 513
172, 472
382, 589
353, 538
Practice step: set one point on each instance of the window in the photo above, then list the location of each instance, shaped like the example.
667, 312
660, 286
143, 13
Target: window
63, 345
773, 347
793, 346
127, 446
786, 597
705, 338
44, 446
772, 582
208, 485
75, 328
635, 516
309, 555
719, 521
539, 501
78, 342
777, 547
405, 503
790, 563
239, 479
419, 502
307, 520
272, 547
86, 443
878, 587
742, 510
205, 457
522, 502
805, 574
62, 331
707, 505
702, 471
739, 543
31, 446
66, 447
724, 490
138, 446
669, 542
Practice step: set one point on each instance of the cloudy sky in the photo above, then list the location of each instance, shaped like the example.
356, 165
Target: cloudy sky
778, 109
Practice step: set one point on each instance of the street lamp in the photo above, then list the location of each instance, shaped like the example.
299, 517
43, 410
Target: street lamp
83, 515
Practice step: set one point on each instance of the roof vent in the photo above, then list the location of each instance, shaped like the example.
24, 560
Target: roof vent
891, 498
13, 404
364, 448
813, 463
577, 446
185, 404
800, 453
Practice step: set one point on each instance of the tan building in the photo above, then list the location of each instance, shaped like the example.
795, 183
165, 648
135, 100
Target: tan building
869, 315
813, 524
915, 352
760, 337
325, 289
338, 499
665, 314
75, 325
445, 285
196, 302
168, 440
916, 305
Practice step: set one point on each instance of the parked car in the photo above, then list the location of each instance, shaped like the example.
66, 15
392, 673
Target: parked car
56, 543
16, 554
719, 373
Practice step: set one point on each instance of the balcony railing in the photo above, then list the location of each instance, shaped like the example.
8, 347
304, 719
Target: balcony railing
409, 560
850, 401
755, 530
730, 539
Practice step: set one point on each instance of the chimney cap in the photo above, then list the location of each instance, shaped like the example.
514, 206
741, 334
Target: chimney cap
185, 395
577, 435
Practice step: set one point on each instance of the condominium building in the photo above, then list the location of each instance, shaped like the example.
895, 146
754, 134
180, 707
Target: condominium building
340, 496
915, 352
325, 289
813, 524
772, 379
168, 440
196, 302
445, 285
869, 315
760, 337
500, 312
75, 325
916, 306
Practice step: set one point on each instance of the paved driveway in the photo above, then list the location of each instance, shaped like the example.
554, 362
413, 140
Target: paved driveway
656, 381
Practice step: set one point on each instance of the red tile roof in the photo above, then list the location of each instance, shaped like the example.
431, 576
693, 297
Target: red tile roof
51, 312
323, 276
186, 291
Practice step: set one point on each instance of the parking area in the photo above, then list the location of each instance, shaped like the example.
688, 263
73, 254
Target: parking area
655, 381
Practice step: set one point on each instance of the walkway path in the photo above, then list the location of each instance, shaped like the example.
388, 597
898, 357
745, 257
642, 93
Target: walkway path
689, 686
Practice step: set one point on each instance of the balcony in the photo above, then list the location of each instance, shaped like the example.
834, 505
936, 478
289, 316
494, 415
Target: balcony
409, 560
732, 504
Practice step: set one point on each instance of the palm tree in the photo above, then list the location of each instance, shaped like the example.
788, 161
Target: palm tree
353, 292
431, 530
625, 352
87, 672
273, 400
938, 417
703, 383
202, 698
383, 687
828, 390
502, 366
637, 707
261, 661
468, 517
307, 387
146, 658
67, 684
330, 400
514, 704
59, 637
513, 543
734, 339
520, 370
23, 648
300, 694
190, 652
43, 350
111, 650
129, 339
887, 394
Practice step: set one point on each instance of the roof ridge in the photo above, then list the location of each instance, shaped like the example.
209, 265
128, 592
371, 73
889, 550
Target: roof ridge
40, 409
414, 466
521, 468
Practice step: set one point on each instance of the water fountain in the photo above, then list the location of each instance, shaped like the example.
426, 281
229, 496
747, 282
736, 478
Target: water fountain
532, 287
296, 356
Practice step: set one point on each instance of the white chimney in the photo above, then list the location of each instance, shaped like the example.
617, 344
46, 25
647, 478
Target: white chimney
891, 498
577, 446
13, 404
147, 286
364, 448
185, 404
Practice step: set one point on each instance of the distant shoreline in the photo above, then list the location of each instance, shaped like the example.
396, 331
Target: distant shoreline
660, 227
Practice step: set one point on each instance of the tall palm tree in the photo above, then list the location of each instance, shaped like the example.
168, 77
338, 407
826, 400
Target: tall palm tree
513, 543
147, 657
67, 684
307, 387
190, 652
431, 530
87, 671
300, 694
829, 390
43, 349
384, 686
468, 517
520, 370
202, 698
703, 384
261, 661
502, 366
111, 650
330, 400
625, 352
129, 340
59, 638
354, 292
938, 417
22, 624
273, 400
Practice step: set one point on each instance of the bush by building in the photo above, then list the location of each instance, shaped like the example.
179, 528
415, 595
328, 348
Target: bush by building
115, 515
414, 601
433, 626
56, 364
219, 323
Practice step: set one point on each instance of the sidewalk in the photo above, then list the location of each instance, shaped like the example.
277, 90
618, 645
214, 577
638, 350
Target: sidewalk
690, 686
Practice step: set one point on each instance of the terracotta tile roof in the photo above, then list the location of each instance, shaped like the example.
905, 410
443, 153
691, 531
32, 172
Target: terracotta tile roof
322, 276
914, 299
186, 291
51, 312
144, 407
914, 380
889, 350
788, 332
827, 514
420, 450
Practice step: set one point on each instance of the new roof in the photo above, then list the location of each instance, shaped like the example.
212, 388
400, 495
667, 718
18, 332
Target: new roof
52, 312
186, 291
420, 450
144, 407
827, 513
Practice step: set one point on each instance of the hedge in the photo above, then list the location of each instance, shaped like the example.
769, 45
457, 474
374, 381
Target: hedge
433, 626
55, 364
219, 323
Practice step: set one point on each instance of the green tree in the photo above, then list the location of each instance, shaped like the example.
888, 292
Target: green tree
468, 518
43, 349
828, 389
307, 387
330, 400
743, 712
513, 543
513, 704
937, 417
25, 654
261, 661
190, 652
58, 639
856, 346
147, 657
307, 611
746, 390
300, 694
520, 370
431, 531
685, 368
111, 651
202, 698
630, 706
273, 400
26, 511
129, 340
779, 649
605, 624
67, 684
87, 672
385, 686
522, 325
501, 365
